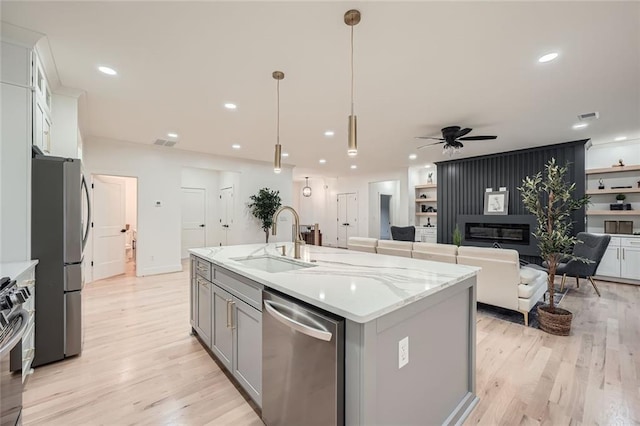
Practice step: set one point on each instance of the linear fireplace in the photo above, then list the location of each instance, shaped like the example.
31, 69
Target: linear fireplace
510, 231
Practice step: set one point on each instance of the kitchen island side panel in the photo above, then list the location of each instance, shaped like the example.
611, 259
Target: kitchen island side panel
437, 386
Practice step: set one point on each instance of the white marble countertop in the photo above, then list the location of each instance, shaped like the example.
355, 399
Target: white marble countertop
14, 269
354, 285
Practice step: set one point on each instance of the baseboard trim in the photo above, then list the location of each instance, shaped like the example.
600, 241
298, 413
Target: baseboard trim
616, 280
143, 272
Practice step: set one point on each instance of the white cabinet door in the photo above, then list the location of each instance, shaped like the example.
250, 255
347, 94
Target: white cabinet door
347, 218
222, 339
193, 219
38, 126
247, 348
630, 263
610, 264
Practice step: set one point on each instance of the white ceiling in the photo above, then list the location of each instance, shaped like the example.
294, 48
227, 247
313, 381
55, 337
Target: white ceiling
420, 66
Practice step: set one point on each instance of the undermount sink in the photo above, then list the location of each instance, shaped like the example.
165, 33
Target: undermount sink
271, 264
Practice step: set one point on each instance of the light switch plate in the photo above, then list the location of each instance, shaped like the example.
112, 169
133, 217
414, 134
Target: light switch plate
403, 352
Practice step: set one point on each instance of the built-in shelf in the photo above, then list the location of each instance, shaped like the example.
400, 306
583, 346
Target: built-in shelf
613, 212
427, 186
613, 191
634, 168
426, 214
432, 200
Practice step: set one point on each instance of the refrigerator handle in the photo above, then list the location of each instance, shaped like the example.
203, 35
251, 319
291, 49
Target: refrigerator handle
86, 233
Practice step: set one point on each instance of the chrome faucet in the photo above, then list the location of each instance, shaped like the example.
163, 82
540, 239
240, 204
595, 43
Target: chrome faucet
296, 237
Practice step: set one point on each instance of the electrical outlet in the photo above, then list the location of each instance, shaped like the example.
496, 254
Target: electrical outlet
403, 352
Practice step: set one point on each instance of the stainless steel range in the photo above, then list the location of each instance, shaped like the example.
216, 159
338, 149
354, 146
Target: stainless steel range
13, 324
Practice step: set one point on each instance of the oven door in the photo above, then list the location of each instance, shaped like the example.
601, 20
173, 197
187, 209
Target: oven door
11, 382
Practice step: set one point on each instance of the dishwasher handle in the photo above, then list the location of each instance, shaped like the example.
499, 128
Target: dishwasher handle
289, 322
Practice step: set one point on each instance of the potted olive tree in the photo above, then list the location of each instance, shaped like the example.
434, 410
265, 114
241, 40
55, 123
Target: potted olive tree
263, 206
550, 199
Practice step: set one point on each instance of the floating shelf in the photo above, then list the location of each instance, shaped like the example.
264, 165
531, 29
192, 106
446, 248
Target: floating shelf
613, 212
426, 214
634, 168
427, 186
613, 191
433, 200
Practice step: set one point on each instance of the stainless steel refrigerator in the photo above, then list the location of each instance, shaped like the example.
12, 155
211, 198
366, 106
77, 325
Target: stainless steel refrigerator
59, 229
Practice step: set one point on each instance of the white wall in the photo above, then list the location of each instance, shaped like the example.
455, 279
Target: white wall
131, 202
159, 173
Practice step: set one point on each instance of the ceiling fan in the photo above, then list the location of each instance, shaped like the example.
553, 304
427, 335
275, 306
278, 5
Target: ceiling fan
451, 137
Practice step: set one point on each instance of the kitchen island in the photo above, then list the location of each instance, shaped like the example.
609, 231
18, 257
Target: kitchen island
409, 329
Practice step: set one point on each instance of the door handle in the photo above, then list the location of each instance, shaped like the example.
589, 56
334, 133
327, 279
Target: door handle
290, 322
123, 230
229, 313
622, 253
617, 253
202, 226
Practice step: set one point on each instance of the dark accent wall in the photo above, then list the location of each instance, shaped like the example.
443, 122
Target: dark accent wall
462, 183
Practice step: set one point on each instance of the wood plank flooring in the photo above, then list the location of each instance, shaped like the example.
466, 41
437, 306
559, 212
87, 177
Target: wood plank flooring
141, 366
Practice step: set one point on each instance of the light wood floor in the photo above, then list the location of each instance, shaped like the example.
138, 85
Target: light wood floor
141, 366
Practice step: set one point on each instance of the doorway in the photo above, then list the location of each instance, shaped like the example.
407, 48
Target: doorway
114, 223
385, 216
347, 218
193, 220
226, 213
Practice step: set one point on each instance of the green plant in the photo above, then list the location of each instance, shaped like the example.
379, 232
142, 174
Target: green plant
550, 199
621, 197
457, 236
263, 206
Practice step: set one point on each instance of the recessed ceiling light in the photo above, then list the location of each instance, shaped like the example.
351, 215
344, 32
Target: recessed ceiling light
412, 156
548, 57
353, 166
329, 133
230, 106
428, 166
322, 161
235, 146
172, 135
285, 154
580, 125
620, 138
107, 70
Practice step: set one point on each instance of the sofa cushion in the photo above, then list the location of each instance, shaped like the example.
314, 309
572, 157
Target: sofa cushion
526, 291
362, 244
489, 253
395, 248
435, 252
528, 275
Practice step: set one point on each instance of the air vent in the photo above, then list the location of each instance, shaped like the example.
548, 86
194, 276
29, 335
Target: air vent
164, 142
589, 116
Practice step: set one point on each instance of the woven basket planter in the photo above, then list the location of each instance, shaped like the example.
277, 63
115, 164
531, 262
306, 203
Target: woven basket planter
557, 322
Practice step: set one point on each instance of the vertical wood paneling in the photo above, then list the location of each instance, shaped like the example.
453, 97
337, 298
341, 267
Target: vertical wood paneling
461, 183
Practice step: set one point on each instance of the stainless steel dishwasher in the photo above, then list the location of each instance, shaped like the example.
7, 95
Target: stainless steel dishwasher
302, 363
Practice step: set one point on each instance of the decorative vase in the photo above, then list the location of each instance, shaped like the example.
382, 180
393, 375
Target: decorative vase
556, 322
619, 201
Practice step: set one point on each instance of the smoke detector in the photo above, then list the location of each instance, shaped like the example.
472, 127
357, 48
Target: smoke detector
589, 116
164, 142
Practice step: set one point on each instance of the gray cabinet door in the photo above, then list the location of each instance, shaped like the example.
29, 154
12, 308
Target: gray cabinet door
247, 348
222, 342
203, 316
193, 293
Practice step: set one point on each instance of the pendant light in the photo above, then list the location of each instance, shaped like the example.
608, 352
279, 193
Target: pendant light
277, 162
352, 18
306, 191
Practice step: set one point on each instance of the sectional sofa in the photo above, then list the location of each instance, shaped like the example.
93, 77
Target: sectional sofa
501, 280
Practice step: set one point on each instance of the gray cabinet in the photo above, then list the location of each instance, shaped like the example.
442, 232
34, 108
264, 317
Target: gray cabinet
203, 315
193, 292
222, 341
247, 348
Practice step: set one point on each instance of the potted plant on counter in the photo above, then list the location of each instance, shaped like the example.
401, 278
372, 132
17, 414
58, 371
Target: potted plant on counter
264, 205
549, 197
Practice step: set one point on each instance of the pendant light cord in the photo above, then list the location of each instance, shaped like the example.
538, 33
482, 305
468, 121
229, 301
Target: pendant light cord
278, 112
352, 70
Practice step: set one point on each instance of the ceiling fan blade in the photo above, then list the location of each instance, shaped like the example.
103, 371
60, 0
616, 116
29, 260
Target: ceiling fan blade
429, 144
477, 138
428, 137
462, 132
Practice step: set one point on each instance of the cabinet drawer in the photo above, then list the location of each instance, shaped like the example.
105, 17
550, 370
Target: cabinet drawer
614, 242
234, 285
630, 242
203, 268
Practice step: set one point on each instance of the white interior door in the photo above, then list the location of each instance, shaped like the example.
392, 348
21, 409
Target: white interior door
226, 213
347, 218
109, 194
193, 220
